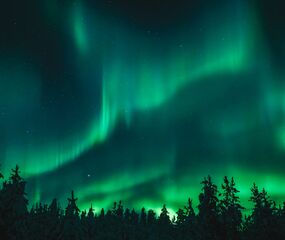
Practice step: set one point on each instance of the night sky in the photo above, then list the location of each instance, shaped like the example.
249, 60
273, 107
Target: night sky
138, 100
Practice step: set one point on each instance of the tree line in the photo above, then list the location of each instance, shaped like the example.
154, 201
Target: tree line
218, 216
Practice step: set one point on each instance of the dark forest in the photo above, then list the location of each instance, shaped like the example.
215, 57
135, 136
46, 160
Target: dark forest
219, 215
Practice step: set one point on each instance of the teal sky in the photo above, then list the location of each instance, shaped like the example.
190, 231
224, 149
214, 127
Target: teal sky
138, 101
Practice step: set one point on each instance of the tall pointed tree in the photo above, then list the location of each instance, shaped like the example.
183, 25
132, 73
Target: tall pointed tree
72, 208
164, 224
209, 227
71, 223
264, 218
143, 217
14, 205
231, 215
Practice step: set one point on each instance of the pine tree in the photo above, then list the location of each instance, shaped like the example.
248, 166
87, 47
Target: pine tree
142, 228
14, 206
132, 231
40, 223
264, 216
151, 219
100, 227
164, 216
281, 220
164, 224
143, 217
185, 222
102, 214
91, 223
231, 215
118, 210
209, 227
181, 225
53, 220
190, 213
91, 214
71, 222
151, 225
115, 221
134, 217
72, 209
181, 217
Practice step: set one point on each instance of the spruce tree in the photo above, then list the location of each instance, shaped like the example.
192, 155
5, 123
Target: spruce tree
14, 206
231, 215
264, 216
164, 224
53, 220
151, 219
71, 223
142, 228
209, 226
143, 217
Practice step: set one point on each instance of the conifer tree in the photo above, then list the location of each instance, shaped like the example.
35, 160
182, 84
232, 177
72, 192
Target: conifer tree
49, 222
142, 228
185, 222
151, 219
91, 214
164, 224
230, 208
181, 217
190, 213
14, 205
53, 220
71, 222
143, 217
134, 217
127, 216
164, 216
181, 224
102, 214
208, 211
264, 216
151, 225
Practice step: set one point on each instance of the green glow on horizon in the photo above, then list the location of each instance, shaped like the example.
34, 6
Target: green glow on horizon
176, 196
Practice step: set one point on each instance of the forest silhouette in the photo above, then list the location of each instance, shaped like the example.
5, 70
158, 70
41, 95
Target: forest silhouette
219, 215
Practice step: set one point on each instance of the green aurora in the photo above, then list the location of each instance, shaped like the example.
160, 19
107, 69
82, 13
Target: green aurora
117, 111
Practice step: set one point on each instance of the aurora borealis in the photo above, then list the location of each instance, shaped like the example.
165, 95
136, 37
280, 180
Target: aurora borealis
138, 100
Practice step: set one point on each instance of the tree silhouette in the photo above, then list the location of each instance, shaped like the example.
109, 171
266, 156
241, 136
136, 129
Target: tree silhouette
53, 220
164, 224
231, 215
181, 224
14, 206
181, 217
142, 228
143, 217
185, 222
151, 219
208, 211
263, 219
219, 216
71, 222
